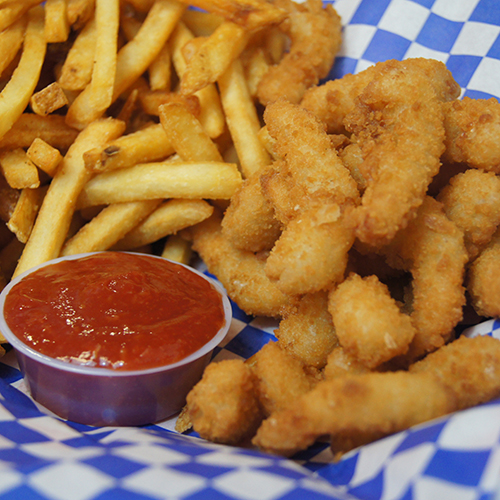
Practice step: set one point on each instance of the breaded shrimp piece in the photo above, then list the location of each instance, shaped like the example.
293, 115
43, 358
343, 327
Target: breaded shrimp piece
306, 330
339, 364
315, 37
332, 101
223, 406
470, 367
249, 221
483, 282
308, 188
472, 130
432, 249
242, 273
312, 251
281, 378
398, 123
472, 201
369, 324
363, 407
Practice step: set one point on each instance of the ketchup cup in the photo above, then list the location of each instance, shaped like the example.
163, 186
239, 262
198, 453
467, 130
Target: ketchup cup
98, 396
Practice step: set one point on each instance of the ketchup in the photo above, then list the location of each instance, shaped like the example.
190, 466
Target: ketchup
115, 310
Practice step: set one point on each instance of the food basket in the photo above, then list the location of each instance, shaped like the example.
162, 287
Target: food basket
456, 457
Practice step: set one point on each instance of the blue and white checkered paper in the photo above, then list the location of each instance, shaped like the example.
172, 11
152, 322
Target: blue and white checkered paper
456, 457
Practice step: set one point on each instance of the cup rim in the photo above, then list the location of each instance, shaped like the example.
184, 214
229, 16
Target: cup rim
24, 349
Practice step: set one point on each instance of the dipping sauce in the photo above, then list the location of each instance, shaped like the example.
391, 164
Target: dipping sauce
115, 310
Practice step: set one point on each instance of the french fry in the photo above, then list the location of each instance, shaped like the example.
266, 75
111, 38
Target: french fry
177, 249
149, 181
48, 100
19, 171
52, 129
242, 120
186, 134
44, 156
11, 40
171, 217
201, 23
56, 212
17, 93
79, 12
56, 21
251, 14
98, 95
214, 56
8, 199
152, 100
211, 114
11, 12
138, 54
146, 145
108, 227
160, 73
27, 207
76, 72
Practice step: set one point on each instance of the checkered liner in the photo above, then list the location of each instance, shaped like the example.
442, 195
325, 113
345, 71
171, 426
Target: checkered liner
42, 457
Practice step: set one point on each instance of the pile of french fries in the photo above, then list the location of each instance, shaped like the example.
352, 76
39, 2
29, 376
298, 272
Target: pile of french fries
123, 122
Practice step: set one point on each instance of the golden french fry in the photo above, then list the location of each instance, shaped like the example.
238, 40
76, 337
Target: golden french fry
170, 217
8, 199
44, 156
252, 14
109, 226
19, 171
16, 95
11, 40
152, 100
160, 73
76, 72
145, 145
141, 5
177, 249
137, 55
242, 120
256, 66
149, 181
56, 212
98, 95
11, 12
27, 207
211, 114
56, 21
48, 99
214, 56
186, 134
52, 129
79, 12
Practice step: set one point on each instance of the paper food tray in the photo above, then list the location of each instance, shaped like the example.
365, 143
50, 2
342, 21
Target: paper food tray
456, 457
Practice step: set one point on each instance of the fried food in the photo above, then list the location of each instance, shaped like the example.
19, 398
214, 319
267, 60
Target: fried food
315, 36
484, 279
223, 407
369, 323
472, 201
242, 273
472, 128
401, 136
306, 330
432, 248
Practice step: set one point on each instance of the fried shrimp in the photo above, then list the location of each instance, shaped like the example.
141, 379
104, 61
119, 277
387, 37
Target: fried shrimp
242, 273
223, 407
309, 188
484, 280
315, 37
401, 136
382, 403
432, 248
472, 200
369, 324
306, 330
472, 129
461, 374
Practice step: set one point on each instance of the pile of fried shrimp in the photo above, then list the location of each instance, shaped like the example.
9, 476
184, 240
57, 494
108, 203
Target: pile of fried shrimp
371, 230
